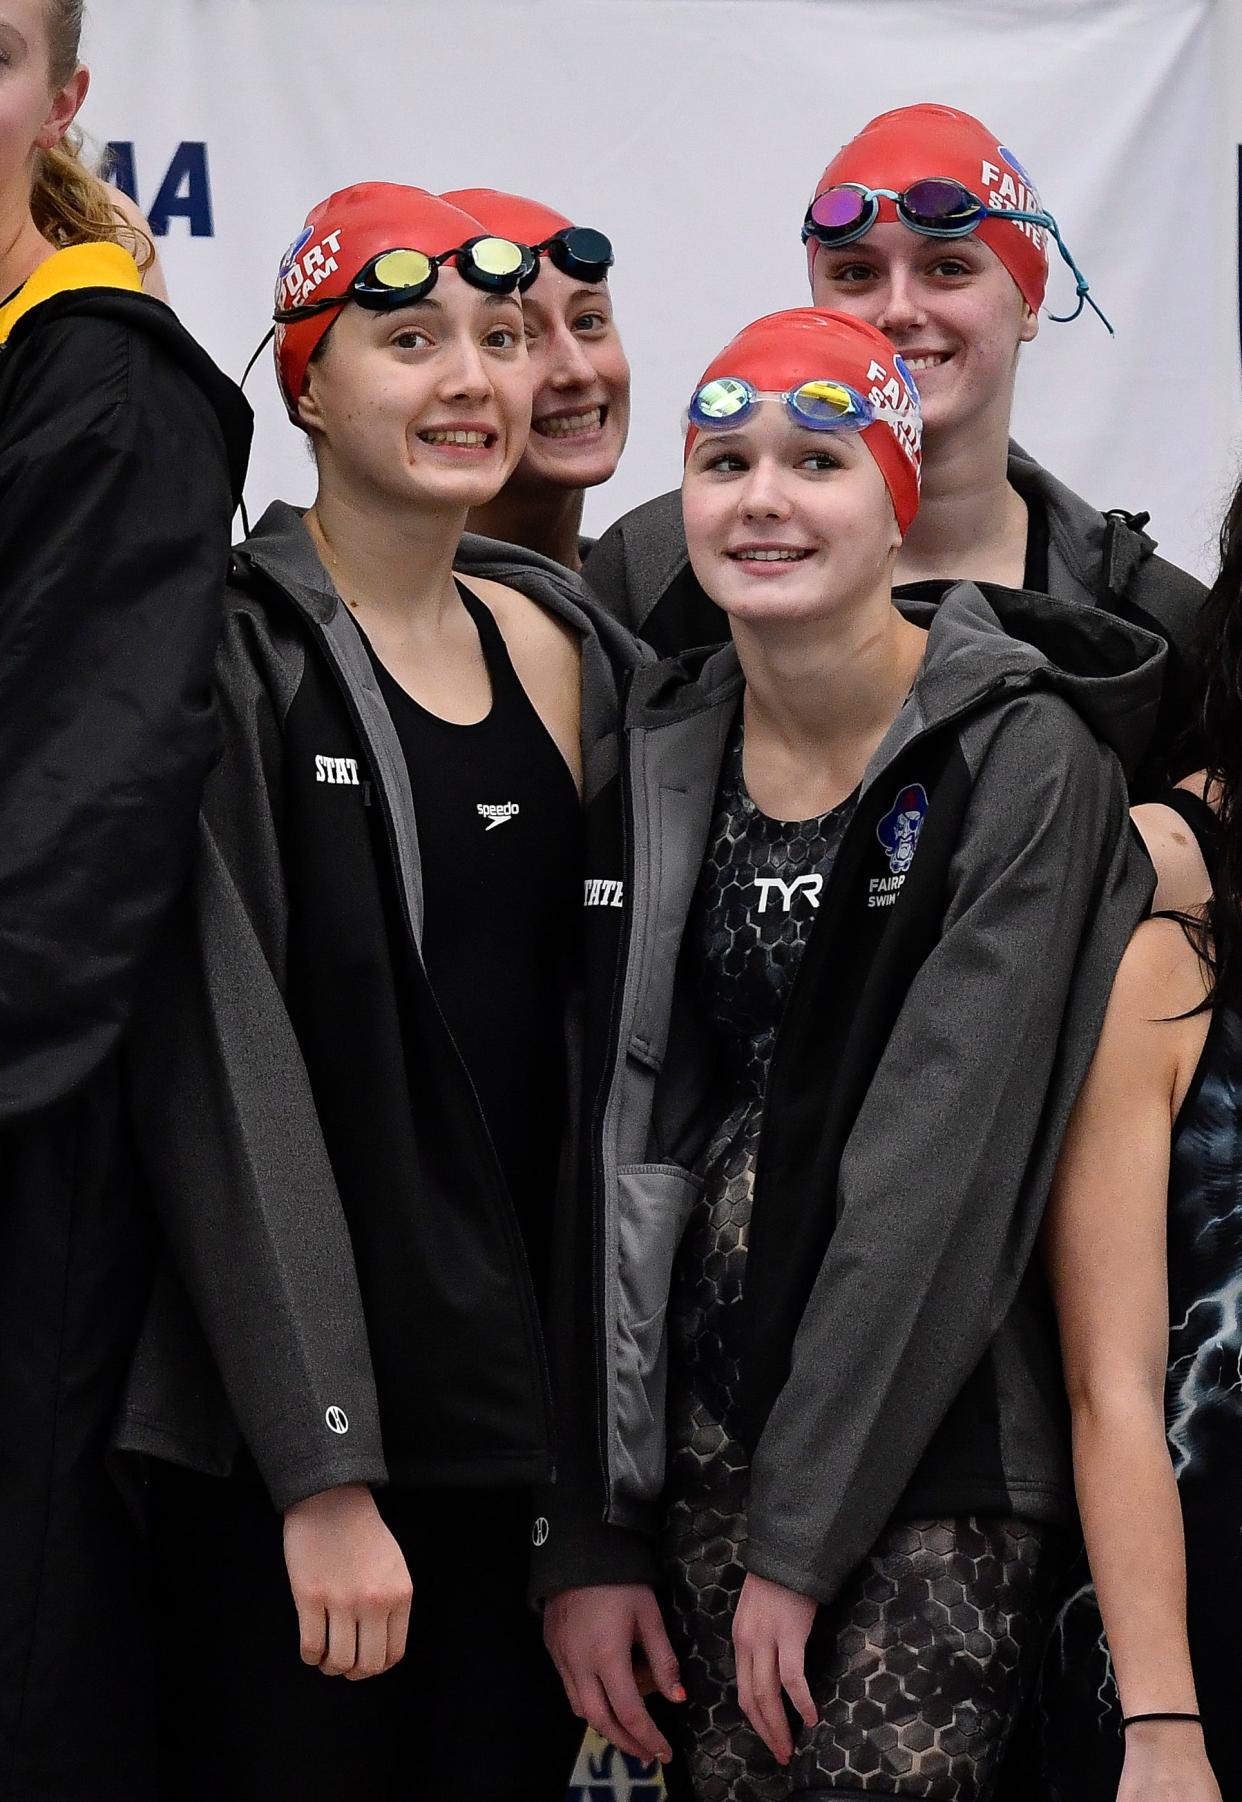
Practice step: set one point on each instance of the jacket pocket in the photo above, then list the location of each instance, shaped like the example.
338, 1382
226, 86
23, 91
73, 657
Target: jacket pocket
654, 1203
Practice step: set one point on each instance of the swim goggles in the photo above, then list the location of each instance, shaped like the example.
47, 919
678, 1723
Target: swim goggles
398, 278
821, 405
578, 251
938, 207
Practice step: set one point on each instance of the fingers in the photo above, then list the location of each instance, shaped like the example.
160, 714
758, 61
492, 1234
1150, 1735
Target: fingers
658, 1651
372, 1646
759, 1692
312, 1631
791, 1663
629, 1709
398, 1632
600, 1714
342, 1652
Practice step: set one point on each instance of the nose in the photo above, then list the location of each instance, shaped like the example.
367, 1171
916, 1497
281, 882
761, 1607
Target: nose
465, 374
902, 308
568, 365
762, 492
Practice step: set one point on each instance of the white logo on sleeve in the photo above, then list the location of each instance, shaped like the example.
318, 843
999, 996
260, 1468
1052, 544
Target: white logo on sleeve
598, 891
337, 769
337, 1420
497, 813
539, 1532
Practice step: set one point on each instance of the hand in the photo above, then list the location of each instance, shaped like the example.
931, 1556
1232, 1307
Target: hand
349, 1581
592, 1635
1166, 1762
770, 1631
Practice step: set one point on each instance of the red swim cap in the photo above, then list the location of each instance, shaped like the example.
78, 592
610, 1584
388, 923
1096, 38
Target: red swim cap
916, 142
340, 237
784, 350
508, 215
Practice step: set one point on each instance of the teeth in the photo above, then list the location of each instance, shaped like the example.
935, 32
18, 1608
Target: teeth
475, 440
571, 425
917, 364
770, 556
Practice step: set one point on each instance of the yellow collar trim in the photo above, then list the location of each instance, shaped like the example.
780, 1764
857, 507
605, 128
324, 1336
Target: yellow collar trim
81, 266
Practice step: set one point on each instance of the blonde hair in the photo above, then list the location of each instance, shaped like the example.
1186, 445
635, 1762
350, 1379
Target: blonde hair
69, 203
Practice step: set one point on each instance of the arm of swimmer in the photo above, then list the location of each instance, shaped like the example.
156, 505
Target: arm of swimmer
1105, 1248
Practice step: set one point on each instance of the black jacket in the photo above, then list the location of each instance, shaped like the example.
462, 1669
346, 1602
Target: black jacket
272, 1340
640, 572
122, 450
900, 1355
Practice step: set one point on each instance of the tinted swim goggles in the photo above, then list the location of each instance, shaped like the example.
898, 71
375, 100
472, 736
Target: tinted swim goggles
822, 405
398, 278
938, 207
577, 251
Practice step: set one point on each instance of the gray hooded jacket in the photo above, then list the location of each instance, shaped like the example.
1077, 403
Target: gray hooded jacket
901, 1357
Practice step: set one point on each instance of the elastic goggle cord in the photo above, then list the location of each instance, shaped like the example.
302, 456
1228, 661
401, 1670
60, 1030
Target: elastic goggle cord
241, 502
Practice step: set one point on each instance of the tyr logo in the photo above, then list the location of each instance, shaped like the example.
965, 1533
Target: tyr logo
813, 886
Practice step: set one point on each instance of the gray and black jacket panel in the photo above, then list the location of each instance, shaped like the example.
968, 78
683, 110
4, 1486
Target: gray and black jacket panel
900, 1356
346, 1297
639, 570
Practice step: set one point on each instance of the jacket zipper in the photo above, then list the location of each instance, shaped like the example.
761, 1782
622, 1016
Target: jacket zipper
526, 1288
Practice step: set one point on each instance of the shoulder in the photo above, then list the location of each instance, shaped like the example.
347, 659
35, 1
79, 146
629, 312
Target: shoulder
1182, 875
1171, 596
1161, 981
529, 630
643, 551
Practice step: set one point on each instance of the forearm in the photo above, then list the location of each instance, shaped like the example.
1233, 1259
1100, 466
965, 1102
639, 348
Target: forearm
1132, 1523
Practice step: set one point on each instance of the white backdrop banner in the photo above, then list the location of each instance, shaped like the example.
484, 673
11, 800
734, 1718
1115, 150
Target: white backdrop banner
692, 132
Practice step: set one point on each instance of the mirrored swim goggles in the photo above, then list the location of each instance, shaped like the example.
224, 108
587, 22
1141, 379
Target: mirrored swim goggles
821, 405
938, 207
399, 278
577, 251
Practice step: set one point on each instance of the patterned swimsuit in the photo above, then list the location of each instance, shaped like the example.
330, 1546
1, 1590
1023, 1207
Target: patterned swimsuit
920, 1665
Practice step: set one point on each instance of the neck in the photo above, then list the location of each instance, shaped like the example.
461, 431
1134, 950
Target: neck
22, 249
969, 519
543, 519
388, 563
826, 693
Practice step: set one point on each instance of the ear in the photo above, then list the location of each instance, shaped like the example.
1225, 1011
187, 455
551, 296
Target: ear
66, 104
1030, 325
309, 411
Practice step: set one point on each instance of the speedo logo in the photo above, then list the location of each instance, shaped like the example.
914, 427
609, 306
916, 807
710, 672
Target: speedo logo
497, 813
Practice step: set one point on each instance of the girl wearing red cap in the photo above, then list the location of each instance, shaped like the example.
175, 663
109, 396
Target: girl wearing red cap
579, 374
929, 228
822, 1408
353, 1075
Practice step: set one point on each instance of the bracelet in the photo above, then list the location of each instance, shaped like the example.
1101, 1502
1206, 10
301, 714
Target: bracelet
1132, 1720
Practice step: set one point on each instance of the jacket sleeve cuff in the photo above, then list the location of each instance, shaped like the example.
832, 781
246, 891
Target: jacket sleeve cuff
583, 1554
791, 1576
296, 1482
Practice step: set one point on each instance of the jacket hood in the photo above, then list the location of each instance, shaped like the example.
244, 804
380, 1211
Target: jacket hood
281, 547
140, 313
981, 639
1081, 539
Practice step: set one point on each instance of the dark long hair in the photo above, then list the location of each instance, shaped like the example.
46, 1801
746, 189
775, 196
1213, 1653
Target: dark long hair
1218, 670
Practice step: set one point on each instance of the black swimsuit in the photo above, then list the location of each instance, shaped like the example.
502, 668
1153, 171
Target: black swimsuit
1079, 1713
500, 848
920, 1665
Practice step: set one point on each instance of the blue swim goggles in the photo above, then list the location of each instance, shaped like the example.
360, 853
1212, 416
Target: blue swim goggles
936, 206
822, 405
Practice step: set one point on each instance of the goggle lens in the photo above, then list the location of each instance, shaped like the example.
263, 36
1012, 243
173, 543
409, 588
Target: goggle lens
400, 269
825, 403
839, 209
499, 258
723, 399
939, 205
580, 251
